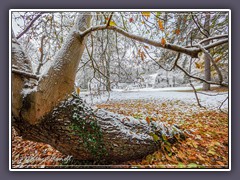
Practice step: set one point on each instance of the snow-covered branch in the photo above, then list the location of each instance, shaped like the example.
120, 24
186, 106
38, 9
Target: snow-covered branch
25, 74
189, 51
214, 37
193, 52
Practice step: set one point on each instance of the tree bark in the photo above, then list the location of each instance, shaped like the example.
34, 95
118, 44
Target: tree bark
58, 83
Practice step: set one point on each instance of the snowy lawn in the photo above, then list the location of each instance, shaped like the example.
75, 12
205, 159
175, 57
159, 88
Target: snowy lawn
212, 101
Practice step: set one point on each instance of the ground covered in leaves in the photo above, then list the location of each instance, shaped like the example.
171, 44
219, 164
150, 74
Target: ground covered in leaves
205, 147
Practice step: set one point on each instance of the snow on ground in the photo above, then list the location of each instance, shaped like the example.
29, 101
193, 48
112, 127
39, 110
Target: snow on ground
211, 101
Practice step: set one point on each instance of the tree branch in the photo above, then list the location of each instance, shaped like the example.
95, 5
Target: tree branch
174, 65
200, 79
25, 74
195, 92
109, 19
215, 37
212, 45
220, 107
29, 25
193, 52
189, 51
41, 57
200, 29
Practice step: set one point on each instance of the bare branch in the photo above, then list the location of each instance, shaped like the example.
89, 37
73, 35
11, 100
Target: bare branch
217, 94
200, 29
174, 65
109, 19
29, 25
200, 79
214, 37
195, 92
41, 57
220, 107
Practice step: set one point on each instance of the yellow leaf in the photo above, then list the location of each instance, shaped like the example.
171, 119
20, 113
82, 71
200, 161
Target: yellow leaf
211, 152
163, 42
200, 157
146, 14
112, 23
78, 90
154, 136
164, 137
160, 25
149, 159
158, 155
198, 66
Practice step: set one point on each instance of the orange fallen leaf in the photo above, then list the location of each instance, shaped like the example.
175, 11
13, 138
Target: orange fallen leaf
148, 120
160, 25
163, 42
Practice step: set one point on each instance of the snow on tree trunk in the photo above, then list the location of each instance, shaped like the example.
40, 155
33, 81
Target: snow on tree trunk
75, 129
58, 83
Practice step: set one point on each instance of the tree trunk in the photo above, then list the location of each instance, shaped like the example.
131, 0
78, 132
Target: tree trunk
75, 129
207, 60
45, 111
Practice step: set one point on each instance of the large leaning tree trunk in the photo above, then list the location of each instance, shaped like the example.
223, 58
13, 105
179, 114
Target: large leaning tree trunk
44, 109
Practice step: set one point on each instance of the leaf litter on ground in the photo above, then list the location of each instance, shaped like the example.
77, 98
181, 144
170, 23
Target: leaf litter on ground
205, 147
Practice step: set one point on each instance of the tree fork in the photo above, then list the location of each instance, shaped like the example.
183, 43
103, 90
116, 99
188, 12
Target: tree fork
58, 83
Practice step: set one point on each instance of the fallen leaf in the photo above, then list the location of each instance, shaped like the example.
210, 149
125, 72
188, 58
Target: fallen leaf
163, 42
148, 120
160, 25
146, 14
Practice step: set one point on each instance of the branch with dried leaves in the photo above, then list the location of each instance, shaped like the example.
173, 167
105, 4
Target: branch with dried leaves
193, 52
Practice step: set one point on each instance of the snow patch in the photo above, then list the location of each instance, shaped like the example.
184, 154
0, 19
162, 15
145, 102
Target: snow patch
211, 101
